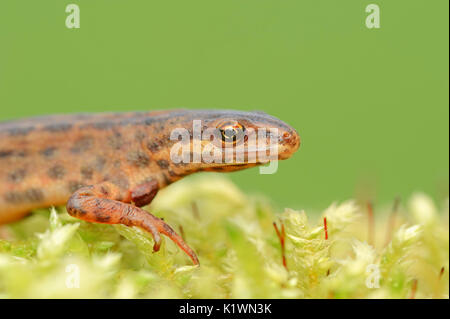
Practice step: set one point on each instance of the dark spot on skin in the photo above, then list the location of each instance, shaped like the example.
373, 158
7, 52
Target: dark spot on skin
148, 180
138, 158
30, 195
101, 217
99, 163
154, 146
127, 122
181, 164
104, 190
80, 212
17, 175
115, 141
34, 195
86, 172
140, 135
168, 229
172, 173
20, 131
150, 121
163, 163
75, 205
73, 186
5, 153
119, 180
82, 145
58, 127
56, 172
48, 152
9, 153
103, 125
13, 197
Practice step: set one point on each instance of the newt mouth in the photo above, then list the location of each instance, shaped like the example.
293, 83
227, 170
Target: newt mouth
283, 148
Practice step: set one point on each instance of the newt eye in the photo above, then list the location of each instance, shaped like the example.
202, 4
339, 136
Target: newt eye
231, 132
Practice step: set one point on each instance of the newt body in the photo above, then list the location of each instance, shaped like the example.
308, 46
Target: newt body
106, 166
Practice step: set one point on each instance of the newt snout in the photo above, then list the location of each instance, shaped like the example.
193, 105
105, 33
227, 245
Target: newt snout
291, 141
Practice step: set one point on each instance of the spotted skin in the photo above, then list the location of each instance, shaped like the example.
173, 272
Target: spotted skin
107, 166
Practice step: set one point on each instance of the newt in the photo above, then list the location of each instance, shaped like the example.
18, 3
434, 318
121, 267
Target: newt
105, 167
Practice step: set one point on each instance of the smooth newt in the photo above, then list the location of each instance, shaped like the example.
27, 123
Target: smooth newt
106, 166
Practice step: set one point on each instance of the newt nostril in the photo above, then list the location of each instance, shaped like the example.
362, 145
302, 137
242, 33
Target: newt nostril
290, 138
287, 138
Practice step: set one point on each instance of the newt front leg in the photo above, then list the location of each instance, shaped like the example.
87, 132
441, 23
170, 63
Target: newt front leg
106, 203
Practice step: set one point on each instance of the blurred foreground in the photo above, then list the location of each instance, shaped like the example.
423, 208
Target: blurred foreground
52, 255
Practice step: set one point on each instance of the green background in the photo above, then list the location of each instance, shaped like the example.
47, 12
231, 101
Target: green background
371, 105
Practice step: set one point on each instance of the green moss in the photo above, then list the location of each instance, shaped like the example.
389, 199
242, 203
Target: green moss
51, 254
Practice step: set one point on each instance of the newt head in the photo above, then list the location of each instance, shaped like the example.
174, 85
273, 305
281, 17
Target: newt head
221, 140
